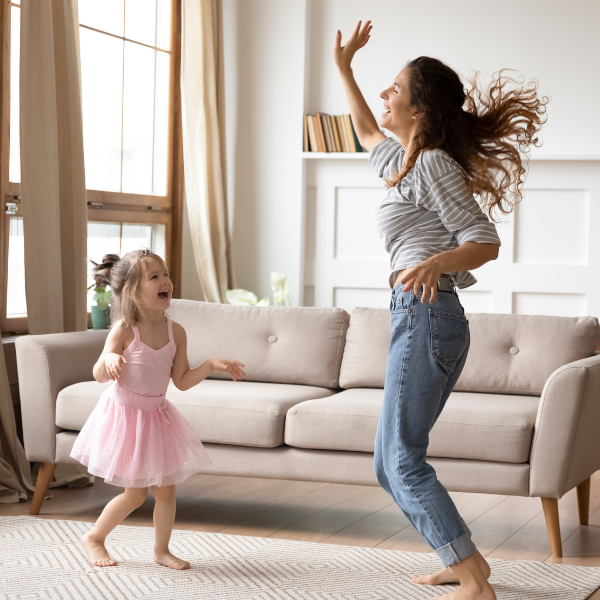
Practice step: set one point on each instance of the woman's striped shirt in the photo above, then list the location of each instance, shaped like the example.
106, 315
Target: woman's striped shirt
430, 211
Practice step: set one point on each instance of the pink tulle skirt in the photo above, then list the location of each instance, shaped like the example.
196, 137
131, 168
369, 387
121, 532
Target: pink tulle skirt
135, 440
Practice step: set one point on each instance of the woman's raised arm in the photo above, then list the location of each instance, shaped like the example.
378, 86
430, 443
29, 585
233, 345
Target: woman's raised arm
364, 122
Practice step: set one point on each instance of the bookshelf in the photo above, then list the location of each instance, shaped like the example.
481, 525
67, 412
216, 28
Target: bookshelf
336, 155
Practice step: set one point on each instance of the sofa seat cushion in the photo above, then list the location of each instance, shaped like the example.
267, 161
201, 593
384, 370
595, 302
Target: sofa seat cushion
223, 412
490, 427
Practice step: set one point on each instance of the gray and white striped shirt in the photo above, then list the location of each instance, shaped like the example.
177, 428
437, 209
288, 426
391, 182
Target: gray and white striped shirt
432, 210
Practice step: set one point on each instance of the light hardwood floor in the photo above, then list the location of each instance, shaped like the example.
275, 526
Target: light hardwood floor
506, 527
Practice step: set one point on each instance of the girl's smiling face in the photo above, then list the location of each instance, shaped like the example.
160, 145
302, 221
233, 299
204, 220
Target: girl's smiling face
155, 289
399, 114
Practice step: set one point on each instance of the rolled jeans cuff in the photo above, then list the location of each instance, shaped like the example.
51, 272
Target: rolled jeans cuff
457, 550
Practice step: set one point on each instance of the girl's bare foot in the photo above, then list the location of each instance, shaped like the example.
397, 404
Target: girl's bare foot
168, 560
96, 552
447, 575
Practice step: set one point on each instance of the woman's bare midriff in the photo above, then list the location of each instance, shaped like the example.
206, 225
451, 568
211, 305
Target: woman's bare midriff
400, 273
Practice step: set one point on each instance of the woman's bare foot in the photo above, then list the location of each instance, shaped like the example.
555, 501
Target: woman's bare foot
96, 552
447, 575
168, 560
471, 592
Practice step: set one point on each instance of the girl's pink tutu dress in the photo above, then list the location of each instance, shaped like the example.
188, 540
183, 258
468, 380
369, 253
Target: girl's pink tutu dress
135, 437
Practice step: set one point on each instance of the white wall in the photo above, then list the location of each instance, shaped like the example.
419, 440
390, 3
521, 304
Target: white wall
279, 65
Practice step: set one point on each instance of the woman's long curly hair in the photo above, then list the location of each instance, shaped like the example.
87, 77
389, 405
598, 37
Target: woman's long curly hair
487, 137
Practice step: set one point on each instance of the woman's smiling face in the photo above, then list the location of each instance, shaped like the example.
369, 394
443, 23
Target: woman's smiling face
399, 113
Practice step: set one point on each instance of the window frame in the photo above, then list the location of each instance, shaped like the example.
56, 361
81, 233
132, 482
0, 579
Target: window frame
118, 207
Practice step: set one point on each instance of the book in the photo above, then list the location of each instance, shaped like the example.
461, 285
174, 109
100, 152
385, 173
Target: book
305, 133
348, 130
328, 145
359, 148
342, 134
311, 134
329, 133
334, 131
319, 133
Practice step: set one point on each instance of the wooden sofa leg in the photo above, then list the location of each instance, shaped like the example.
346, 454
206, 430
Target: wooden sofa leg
553, 525
44, 478
583, 501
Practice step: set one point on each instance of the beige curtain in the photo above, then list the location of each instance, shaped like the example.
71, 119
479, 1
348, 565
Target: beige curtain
54, 208
15, 477
203, 116
52, 171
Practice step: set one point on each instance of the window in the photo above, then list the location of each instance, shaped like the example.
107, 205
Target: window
120, 238
125, 88
131, 131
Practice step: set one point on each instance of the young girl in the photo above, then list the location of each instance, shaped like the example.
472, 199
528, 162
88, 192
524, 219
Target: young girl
452, 144
135, 438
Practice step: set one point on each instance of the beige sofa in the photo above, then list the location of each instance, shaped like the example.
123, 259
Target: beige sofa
523, 419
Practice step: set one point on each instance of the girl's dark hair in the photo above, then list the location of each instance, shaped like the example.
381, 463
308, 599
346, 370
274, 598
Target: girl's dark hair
105, 267
486, 137
120, 272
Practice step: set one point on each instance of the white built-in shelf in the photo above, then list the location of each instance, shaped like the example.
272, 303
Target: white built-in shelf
365, 156
338, 155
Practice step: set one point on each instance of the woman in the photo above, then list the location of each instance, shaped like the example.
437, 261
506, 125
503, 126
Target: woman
435, 231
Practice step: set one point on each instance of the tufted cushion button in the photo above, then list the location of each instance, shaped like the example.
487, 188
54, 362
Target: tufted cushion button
272, 338
514, 350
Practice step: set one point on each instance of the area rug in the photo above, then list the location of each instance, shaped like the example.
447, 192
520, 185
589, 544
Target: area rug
43, 559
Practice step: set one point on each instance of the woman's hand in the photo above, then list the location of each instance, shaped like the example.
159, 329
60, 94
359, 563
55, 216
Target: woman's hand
233, 367
113, 363
426, 276
343, 54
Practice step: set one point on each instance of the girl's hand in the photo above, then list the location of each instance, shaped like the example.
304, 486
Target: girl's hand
426, 276
343, 54
233, 367
113, 363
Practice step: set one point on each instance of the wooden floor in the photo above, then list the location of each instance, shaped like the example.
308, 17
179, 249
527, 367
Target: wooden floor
505, 527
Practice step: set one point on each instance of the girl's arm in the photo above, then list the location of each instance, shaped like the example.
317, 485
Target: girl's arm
185, 378
366, 127
109, 365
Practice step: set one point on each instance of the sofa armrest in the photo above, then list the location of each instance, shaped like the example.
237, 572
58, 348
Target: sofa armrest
566, 445
46, 364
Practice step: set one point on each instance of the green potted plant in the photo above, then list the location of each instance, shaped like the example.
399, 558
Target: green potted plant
102, 296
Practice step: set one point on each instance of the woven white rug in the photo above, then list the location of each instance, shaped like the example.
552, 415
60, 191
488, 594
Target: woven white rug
43, 559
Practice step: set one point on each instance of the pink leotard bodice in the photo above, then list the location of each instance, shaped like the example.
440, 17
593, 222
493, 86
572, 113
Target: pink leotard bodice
148, 371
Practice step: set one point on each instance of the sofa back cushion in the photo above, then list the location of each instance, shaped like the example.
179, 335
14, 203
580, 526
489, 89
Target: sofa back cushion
277, 344
509, 354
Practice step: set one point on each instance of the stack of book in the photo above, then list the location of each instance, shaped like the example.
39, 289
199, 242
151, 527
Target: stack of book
330, 133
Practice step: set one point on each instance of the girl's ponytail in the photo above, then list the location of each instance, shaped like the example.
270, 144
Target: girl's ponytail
105, 267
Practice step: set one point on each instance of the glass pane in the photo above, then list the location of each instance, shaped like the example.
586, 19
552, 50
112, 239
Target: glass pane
161, 123
16, 305
107, 15
149, 22
137, 235
102, 85
103, 238
14, 163
145, 120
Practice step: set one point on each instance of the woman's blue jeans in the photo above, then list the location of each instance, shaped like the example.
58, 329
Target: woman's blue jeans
427, 353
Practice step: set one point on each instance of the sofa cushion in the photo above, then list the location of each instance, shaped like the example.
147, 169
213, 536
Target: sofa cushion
277, 344
490, 427
509, 354
224, 412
